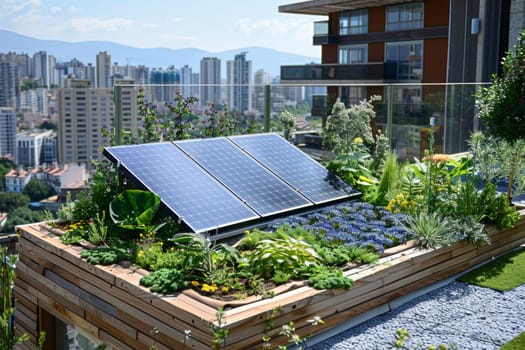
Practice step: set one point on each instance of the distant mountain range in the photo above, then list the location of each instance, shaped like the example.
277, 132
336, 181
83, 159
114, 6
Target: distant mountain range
262, 58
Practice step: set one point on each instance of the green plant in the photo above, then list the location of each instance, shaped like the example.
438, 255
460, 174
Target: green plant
287, 120
431, 229
284, 253
84, 208
135, 210
329, 278
105, 255
502, 104
289, 331
218, 331
200, 254
7, 274
165, 281
98, 231
402, 335
388, 182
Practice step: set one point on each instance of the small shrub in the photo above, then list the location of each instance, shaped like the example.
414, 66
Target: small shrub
432, 230
165, 281
324, 278
105, 255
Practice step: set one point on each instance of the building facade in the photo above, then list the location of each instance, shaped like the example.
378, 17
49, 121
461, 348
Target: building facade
9, 84
103, 68
8, 132
416, 43
210, 81
30, 148
85, 112
239, 82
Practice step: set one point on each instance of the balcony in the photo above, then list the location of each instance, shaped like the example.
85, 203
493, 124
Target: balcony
332, 73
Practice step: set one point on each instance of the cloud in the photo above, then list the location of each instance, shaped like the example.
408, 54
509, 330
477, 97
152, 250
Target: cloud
93, 24
55, 9
19, 7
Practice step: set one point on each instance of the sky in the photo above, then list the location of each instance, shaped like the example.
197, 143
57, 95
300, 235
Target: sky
211, 25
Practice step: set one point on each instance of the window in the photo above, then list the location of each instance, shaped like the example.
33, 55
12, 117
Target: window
352, 95
349, 54
353, 22
405, 60
404, 17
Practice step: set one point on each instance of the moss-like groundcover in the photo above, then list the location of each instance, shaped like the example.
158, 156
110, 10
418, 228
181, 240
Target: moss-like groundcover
502, 274
517, 343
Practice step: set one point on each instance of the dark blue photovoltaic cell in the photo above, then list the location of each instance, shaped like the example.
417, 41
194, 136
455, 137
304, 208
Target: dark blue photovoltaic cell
194, 196
295, 167
264, 192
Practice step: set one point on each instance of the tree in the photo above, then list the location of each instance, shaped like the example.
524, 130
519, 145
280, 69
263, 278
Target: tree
48, 126
502, 104
10, 201
21, 216
37, 190
5, 166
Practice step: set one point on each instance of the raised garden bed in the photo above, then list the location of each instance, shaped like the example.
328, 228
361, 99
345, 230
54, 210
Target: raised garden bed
109, 305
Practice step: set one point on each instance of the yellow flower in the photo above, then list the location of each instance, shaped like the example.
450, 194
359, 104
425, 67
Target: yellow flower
140, 254
225, 289
195, 283
358, 140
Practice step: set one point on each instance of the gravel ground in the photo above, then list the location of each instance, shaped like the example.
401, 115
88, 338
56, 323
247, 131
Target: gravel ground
469, 316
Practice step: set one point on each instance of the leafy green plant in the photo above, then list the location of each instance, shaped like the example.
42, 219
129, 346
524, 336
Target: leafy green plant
165, 280
218, 331
287, 120
285, 254
329, 278
502, 106
200, 254
135, 210
7, 274
98, 231
105, 255
84, 208
431, 229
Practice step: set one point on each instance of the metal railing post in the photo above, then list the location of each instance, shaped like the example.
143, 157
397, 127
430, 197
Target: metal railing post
389, 113
267, 108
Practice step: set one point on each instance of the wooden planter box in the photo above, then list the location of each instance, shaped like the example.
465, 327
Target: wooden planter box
108, 304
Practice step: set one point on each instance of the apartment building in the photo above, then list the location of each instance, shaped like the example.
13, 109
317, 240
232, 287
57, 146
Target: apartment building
7, 132
32, 147
84, 112
210, 80
417, 43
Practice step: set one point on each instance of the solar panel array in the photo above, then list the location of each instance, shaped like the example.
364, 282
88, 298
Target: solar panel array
220, 183
295, 167
183, 186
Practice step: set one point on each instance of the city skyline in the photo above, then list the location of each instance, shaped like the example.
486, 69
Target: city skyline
204, 24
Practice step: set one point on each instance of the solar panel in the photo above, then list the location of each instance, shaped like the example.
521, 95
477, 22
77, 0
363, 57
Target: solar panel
196, 198
295, 167
261, 190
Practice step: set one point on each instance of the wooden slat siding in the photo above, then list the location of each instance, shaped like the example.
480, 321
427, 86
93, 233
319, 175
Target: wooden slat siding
23, 319
19, 331
449, 256
80, 273
146, 293
403, 272
61, 252
46, 287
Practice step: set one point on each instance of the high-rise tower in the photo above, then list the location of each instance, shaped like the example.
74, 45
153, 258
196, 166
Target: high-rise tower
210, 79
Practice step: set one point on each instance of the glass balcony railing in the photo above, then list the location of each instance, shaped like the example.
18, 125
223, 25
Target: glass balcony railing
335, 72
403, 113
320, 28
